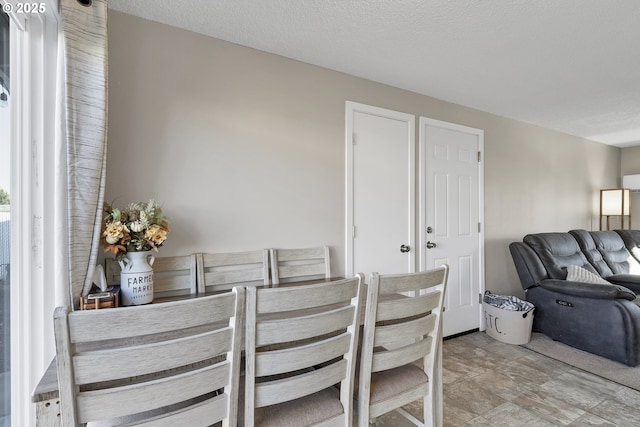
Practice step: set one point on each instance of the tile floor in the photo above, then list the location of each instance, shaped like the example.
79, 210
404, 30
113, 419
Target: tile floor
489, 383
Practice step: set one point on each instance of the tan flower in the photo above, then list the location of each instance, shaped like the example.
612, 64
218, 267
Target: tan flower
138, 227
114, 232
156, 234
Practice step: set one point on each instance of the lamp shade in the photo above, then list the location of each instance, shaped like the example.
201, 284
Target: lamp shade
615, 202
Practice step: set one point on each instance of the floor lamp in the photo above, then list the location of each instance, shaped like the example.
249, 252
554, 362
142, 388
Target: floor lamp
615, 202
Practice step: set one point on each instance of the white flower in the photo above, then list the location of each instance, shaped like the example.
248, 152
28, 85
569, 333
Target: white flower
136, 226
144, 220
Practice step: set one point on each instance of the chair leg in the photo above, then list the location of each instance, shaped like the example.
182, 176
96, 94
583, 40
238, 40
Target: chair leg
408, 415
362, 412
430, 414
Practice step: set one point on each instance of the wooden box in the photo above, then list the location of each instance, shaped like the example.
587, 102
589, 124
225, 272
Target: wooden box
98, 300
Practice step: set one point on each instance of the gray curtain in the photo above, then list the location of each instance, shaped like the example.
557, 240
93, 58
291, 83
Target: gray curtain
83, 132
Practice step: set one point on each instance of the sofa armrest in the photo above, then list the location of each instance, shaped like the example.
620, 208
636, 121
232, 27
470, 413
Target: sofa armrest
587, 290
629, 281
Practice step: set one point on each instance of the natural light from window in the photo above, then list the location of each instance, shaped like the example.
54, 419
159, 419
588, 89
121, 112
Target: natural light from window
5, 237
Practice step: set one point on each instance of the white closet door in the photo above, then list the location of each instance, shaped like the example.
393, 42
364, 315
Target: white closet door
380, 190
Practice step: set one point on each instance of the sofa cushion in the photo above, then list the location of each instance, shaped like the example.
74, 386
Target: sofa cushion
579, 274
557, 251
631, 240
591, 252
530, 269
615, 253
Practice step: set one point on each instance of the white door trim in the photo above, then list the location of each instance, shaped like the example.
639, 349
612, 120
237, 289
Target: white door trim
409, 119
423, 202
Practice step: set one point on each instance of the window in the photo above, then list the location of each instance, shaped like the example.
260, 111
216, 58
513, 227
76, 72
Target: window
5, 225
31, 43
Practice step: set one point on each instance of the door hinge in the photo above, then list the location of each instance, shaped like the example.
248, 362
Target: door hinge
479, 156
353, 139
479, 298
479, 227
353, 232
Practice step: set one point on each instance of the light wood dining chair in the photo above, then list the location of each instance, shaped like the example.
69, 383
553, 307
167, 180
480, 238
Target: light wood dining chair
176, 363
172, 276
175, 275
300, 343
289, 265
401, 342
223, 271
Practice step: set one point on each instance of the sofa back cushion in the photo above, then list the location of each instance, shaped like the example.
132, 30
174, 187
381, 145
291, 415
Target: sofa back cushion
528, 265
631, 239
615, 253
557, 251
591, 252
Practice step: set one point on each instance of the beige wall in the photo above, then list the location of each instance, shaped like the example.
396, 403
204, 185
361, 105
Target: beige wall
245, 149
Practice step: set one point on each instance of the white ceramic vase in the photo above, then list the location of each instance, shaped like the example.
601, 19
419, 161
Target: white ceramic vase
136, 278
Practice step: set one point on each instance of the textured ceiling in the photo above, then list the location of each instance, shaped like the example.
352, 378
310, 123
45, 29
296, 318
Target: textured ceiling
570, 65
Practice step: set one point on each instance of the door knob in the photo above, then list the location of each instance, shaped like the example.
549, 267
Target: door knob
404, 249
431, 245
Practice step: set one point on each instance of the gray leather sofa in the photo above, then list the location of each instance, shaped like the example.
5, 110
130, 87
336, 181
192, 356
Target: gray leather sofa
603, 319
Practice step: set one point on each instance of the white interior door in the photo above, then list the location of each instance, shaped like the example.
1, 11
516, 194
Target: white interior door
451, 217
380, 190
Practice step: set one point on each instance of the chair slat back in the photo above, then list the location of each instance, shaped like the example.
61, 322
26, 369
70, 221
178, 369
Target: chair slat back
223, 271
290, 388
417, 317
174, 276
415, 306
149, 363
301, 297
309, 326
301, 340
300, 264
403, 330
401, 333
